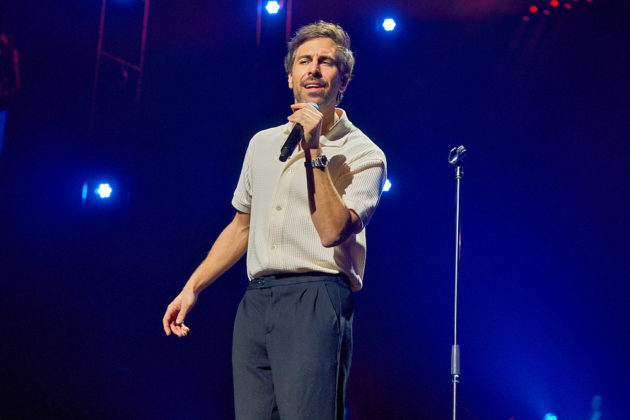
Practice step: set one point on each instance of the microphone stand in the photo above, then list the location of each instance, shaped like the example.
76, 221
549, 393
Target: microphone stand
455, 158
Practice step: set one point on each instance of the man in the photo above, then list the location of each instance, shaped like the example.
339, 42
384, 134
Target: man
302, 223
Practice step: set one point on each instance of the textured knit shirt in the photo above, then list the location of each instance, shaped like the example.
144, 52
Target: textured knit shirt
282, 236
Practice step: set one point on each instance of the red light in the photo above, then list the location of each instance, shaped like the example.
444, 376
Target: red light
554, 3
567, 6
546, 12
525, 18
533, 9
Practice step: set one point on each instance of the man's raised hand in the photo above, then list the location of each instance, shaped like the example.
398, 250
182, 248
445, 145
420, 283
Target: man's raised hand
310, 119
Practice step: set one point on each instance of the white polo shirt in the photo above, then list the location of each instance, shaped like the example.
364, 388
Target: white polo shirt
282, 237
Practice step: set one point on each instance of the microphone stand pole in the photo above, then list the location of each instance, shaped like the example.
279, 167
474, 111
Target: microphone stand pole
455, 158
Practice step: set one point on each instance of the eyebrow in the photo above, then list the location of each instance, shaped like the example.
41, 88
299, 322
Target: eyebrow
321, 57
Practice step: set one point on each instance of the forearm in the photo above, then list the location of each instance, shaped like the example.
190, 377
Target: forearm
228, 248
333, 221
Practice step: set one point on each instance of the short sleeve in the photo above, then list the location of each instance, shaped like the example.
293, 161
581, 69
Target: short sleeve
363, 184
242, 199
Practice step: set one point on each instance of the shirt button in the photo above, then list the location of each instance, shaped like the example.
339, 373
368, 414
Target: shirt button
278, 208
274, 246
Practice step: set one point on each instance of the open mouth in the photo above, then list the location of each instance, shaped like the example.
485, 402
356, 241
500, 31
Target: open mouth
313, 86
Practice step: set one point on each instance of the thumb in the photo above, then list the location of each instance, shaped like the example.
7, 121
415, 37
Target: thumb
182, 314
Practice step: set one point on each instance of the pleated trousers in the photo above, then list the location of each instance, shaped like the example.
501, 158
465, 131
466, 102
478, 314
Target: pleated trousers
292, 347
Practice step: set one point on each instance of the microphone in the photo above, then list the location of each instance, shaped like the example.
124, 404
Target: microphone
456, 155
294, 138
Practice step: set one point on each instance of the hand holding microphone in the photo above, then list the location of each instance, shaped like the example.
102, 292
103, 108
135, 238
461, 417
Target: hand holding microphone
308, 125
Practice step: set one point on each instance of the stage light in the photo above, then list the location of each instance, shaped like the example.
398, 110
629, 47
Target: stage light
387, 185
272, 7
104, 191
554, 3
533, 9
546, 12
567, 6
550, 416
389, 24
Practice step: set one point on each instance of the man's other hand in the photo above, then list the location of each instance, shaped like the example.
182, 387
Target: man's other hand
173, 320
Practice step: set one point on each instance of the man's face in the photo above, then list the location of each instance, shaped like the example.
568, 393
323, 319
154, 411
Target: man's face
315, 76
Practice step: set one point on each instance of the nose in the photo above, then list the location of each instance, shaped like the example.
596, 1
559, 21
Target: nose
313, 68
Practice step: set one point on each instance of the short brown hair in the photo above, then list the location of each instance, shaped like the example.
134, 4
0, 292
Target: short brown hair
322, 29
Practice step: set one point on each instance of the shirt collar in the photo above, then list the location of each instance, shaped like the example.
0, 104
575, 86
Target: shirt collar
337, 136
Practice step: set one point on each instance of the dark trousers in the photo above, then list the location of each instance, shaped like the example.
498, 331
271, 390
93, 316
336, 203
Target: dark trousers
292, 347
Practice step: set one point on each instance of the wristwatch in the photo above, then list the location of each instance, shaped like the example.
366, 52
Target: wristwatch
319, 162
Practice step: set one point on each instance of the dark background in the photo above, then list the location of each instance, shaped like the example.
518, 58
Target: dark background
542, 107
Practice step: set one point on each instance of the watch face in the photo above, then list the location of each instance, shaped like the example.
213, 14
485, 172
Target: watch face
320, 161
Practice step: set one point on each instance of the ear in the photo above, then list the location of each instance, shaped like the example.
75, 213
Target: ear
290, 81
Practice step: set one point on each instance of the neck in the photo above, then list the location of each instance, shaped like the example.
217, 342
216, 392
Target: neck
330, 117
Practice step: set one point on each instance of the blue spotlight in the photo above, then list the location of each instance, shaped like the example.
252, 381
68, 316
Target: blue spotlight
84, 192
104, 191
550, 416
389, 24
272, 7
387, 185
